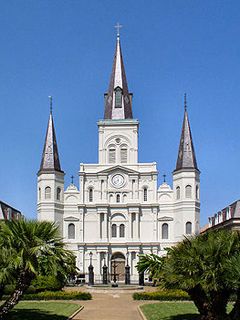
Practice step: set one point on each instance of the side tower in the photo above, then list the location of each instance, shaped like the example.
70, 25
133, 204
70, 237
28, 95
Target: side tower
118, 132
50, 179
186, 184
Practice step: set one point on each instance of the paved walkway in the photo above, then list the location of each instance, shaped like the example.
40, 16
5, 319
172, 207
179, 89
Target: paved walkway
110, 305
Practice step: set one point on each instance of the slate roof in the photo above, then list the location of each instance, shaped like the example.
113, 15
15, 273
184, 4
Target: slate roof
186, 154
50, 158
118, 80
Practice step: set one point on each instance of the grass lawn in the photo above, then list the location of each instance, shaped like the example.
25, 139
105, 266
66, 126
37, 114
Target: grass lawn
41, 310
173, 311
170, 311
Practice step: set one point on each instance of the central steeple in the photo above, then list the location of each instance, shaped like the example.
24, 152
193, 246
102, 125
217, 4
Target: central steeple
118, 101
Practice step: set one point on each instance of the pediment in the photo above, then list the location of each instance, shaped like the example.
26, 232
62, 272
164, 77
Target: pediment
70, 218
118, 168
165, 219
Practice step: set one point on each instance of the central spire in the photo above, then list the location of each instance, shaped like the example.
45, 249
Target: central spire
118, 101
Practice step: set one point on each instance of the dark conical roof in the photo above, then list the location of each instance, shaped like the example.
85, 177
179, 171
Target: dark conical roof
186, 154
50, 158
118, 80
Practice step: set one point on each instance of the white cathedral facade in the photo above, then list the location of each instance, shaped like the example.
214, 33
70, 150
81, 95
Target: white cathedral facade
119, 211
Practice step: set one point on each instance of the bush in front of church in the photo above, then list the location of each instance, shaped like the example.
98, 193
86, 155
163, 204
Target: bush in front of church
162, 295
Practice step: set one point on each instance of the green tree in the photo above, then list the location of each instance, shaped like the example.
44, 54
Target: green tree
202, 266
33, 248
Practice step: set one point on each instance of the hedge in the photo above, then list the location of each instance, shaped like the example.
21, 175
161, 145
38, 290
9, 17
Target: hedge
163, 295
56, 295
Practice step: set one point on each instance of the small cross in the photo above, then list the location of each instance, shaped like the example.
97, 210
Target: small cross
185, 101
118, 27
72, 177
50, 99
164, 178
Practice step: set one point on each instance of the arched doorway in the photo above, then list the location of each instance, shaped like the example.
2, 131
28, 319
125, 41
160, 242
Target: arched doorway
118, 266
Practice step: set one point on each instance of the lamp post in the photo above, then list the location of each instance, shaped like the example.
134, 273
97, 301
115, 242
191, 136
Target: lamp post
90, 271
105, 270
127, 271
141, 278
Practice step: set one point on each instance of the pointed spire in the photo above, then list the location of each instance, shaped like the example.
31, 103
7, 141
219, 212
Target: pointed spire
118, 101
186, 154
50, 158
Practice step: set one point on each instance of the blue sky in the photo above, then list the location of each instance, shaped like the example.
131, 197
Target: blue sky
65, 49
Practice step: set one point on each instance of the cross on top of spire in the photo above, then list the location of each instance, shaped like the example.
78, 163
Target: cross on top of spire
50, 100
185, 101
118, 26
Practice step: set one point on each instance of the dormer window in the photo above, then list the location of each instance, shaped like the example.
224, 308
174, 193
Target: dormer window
118, 97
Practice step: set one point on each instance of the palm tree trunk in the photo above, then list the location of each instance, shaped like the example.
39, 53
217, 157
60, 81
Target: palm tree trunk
23, 282
213, 309
2, 286
235, 313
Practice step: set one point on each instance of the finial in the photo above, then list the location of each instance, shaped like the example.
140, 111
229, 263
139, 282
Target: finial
50, 99
118, 26
72, 177
164, 177
185, 101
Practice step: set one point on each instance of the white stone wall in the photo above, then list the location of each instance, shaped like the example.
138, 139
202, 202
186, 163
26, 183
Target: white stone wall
143, 218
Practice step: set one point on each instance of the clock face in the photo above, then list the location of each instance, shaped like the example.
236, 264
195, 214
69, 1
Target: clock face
118, 180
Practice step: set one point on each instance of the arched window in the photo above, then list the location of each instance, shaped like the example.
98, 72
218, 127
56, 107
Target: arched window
188, 228
114, 231
165, 231
90, 194
122, 231
111, 198
71, 231
188, 191
47, 193
118, 198
145, 194
39, 194
124, 198
118, 97
58, 193
123, 154
178, 193
197, 192
112, 154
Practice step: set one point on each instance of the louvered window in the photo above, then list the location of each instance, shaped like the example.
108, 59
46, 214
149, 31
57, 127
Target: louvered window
178, 193
123, 155
188, 228
47, 193
165, 231
114, 231
71, 231
122, 231
118, 98
145, 195
188, 191
112, 155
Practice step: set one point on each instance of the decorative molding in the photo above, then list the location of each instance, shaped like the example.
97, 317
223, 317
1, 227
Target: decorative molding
71, 219
165, 219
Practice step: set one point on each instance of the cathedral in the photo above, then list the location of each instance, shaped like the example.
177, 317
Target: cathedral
119, 211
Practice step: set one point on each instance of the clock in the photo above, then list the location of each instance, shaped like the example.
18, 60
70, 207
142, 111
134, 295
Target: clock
118, 180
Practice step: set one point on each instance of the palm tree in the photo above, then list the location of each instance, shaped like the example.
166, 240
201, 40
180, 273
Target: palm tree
200, 266
34, 248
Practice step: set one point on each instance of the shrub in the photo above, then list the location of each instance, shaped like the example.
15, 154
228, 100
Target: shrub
163, 295
45, 283
56, 295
